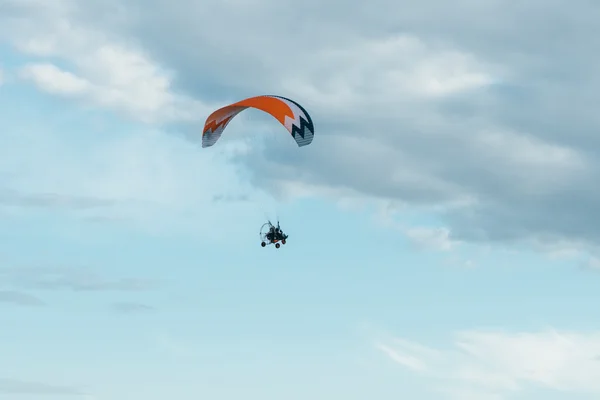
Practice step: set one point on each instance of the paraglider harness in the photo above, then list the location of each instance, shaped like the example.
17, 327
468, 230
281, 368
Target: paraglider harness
273, 236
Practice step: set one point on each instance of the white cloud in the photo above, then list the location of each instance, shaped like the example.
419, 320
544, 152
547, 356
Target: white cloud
104, 69
593, 263
52, 79
496, 363
405, 360
372, 74
431, 238
413, 355
358, 72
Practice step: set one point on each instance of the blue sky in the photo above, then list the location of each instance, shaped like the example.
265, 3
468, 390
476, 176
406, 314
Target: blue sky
443, 242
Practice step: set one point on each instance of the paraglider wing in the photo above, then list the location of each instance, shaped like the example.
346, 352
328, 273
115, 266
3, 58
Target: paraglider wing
289, 114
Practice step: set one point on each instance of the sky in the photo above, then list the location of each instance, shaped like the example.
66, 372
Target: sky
443, 244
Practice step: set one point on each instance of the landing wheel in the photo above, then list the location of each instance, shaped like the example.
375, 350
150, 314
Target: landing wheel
277, 245
263, 244
283, 241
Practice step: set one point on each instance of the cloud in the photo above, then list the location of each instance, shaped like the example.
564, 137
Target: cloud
72, 279
19, 387
431, 238
131, 308
455, 116
481, 112
593, 263
52, 200
143, 178
103, 70
53, 80
412, 355
229, 198
20, 298
498, 364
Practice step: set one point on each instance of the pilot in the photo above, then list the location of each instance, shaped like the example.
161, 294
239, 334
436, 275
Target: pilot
271, 234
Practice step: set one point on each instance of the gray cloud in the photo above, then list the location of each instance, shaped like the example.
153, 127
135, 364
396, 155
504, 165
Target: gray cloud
511, 156
20, 298
131, 308
19, 387
72, 279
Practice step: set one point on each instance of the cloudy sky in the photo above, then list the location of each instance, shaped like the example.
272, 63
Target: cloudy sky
444, 222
